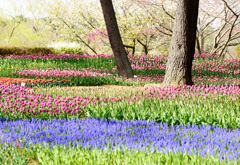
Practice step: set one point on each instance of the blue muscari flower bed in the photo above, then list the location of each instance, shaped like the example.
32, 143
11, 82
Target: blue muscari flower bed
136, 135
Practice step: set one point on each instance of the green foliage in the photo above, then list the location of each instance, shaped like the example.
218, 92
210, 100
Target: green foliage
61, 156
74, 156
11, 65
68, 50
10, 155
174, 111
9, 50
238, 51
26, 31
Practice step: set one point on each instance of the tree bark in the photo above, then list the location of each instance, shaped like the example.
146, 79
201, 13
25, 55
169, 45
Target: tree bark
202, 43
198, 46
120, 54
179, 64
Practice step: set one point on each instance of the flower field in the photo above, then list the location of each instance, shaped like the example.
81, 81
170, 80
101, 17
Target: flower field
47, 119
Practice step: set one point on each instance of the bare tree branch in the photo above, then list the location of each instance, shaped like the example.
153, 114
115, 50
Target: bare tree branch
77, 35
163, 32
167, 13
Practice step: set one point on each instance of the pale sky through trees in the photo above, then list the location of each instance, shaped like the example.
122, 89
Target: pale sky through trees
15, 7
8, 6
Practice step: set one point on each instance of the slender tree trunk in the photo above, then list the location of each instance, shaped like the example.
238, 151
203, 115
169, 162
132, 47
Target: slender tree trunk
202, 43
13, 29
120, 54
145, 47
198, 46
179, 64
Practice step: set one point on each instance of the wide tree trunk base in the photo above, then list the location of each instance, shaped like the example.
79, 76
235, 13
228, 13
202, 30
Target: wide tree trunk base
182, 49
175, 82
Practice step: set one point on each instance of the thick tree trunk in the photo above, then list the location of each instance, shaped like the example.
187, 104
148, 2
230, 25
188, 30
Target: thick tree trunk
120, 54
179, 65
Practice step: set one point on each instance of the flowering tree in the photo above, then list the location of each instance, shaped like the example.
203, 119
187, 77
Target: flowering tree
73, 22
218, 23
228, 32
140, 32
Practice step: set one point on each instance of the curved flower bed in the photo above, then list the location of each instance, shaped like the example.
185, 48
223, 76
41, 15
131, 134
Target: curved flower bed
185, 104
137, 135
82, 73
8, 80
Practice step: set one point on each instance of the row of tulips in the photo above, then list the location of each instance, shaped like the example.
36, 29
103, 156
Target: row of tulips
146, 62
124, 135
227, 67
80, 77
157, 64
174, 105
76, 56
26, 82
75, 75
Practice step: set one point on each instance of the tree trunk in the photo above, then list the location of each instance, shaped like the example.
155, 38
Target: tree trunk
202, 43
120, 54
198, 46
179, 64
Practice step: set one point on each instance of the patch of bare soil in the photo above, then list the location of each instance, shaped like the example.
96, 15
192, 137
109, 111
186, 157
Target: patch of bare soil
107, 86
